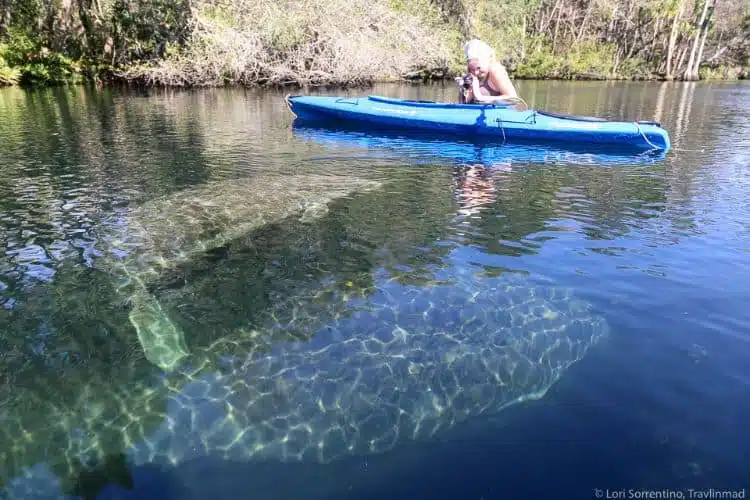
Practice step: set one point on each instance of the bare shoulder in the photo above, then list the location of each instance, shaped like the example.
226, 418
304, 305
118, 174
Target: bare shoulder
498, 68
501, 80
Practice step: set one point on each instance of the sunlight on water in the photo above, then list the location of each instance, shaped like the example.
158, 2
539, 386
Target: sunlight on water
191, 276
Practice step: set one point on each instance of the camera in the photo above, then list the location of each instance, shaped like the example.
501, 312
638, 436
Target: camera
467, 81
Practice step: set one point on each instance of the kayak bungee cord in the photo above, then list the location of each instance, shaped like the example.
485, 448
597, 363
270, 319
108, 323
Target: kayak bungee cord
638, 125
516, 101
500, 122
702, 150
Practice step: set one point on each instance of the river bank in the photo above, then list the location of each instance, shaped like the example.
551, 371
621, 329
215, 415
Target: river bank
208, 43
14, 77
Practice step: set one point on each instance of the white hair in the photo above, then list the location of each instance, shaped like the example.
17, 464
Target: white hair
477, 49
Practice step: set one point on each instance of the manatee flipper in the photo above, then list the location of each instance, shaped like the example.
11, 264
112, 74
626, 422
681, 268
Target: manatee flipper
162, 341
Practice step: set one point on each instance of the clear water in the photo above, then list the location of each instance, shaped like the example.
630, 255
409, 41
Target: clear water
343, 341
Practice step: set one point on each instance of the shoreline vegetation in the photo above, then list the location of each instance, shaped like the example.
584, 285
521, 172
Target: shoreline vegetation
199, 43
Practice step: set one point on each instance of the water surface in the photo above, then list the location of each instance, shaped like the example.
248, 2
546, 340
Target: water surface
644, 263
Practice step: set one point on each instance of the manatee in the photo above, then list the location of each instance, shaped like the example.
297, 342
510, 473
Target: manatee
402, 365
162, 233
398, 365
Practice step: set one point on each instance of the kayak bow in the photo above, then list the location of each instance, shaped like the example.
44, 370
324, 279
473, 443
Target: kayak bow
484, 120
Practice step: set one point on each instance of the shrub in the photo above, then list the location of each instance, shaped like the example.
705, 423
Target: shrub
298, 42
25, 60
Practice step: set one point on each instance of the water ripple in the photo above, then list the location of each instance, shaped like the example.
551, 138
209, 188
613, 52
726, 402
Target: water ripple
661, 248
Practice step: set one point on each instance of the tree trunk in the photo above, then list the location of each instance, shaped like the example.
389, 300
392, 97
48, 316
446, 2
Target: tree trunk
669, 74
680, 59
546, 23
5, 6
699, 57
557, 28
539, 21
704, 27
612, 23
616, 62
689, 75
571, 25
652, 51
634, 43
628, 49
583, 23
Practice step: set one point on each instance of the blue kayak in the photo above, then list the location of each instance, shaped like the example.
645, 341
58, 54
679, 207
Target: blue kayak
502, 122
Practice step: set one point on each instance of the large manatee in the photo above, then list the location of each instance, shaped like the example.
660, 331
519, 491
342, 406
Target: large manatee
165, 232
397, 365
401, 365
342, 359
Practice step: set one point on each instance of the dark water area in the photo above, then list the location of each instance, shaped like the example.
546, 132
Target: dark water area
332, 298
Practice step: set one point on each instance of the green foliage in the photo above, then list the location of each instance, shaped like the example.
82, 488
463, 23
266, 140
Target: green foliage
8, 75
20, 47
586, 60
221, 17
51, 42
501, 24
28, 62
26, 13
540, 64
54, 69
635, 67
143, 31
590, 58
446, 29
723, 72
44, 44
285, 32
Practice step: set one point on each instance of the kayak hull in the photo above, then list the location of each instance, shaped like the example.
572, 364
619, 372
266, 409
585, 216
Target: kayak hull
479, 120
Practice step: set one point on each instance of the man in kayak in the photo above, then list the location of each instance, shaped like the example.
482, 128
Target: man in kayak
487, 80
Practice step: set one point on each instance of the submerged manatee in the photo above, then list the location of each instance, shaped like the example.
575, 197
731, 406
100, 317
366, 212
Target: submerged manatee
404, 363
163, 233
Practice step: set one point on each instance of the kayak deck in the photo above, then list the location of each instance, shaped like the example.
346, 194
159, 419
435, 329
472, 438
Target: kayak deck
498, 121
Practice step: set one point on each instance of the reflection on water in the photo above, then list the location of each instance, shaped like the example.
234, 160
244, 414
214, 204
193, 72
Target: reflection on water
421, 147
472, 277
476, 187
